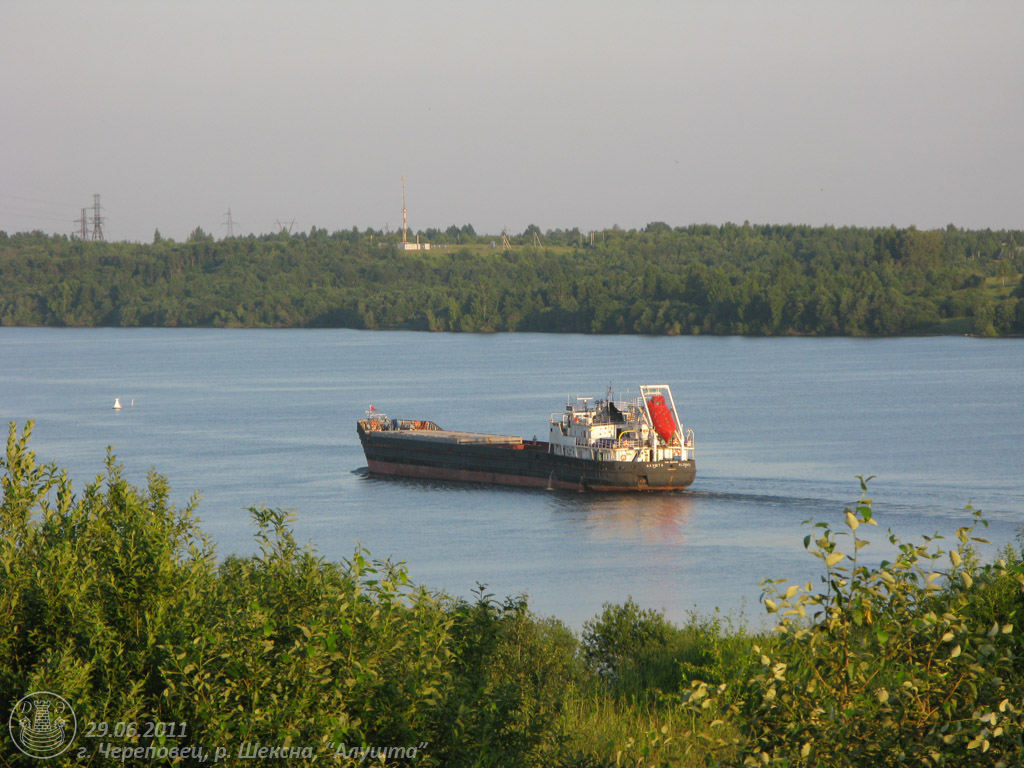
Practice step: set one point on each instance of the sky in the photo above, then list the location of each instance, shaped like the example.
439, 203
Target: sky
557, 113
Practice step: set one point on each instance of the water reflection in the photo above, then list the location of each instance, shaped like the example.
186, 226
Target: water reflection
661, 518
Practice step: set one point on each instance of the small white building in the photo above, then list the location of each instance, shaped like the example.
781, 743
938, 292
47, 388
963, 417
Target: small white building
417, 246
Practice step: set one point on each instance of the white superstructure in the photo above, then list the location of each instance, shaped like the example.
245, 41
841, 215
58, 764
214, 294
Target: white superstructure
646, 428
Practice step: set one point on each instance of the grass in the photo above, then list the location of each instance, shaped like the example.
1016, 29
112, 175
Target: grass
1001, 287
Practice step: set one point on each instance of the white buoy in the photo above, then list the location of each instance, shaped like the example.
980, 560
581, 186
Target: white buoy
117, 404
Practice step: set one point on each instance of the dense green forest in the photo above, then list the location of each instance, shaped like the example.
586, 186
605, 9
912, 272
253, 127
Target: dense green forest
731, 279
115, 600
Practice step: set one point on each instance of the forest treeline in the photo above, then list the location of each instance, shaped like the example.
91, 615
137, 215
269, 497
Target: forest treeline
731, 279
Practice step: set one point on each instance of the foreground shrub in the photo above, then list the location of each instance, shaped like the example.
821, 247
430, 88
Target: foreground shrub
885, 666
94, 590
638, 652
114, 600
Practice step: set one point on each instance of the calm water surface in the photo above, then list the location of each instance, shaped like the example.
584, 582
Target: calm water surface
783, 426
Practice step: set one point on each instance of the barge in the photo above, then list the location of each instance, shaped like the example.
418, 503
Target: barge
595, 445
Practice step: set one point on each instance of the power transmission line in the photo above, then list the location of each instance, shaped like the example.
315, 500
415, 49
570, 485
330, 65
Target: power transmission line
97, 220
83, 225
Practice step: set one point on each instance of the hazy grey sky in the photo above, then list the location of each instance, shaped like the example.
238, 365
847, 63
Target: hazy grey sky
504, 114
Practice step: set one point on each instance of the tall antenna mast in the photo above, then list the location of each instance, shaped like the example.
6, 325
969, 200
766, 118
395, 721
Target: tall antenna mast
404, 241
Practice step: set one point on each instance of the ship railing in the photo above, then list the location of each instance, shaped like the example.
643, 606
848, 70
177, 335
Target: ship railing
377, 422
415, 424
681, 450
680, 438
608, 449
628, 442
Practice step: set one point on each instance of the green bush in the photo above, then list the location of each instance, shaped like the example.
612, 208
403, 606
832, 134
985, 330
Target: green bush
114, 600
888, 665
639, 653
94, 590
620, 635
520, 666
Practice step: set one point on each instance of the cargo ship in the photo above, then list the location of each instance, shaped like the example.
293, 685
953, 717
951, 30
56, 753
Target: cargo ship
637, 444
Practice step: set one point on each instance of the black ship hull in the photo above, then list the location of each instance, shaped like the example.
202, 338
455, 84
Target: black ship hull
511, 461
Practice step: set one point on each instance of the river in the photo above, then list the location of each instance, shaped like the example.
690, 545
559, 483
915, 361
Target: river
783, 426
